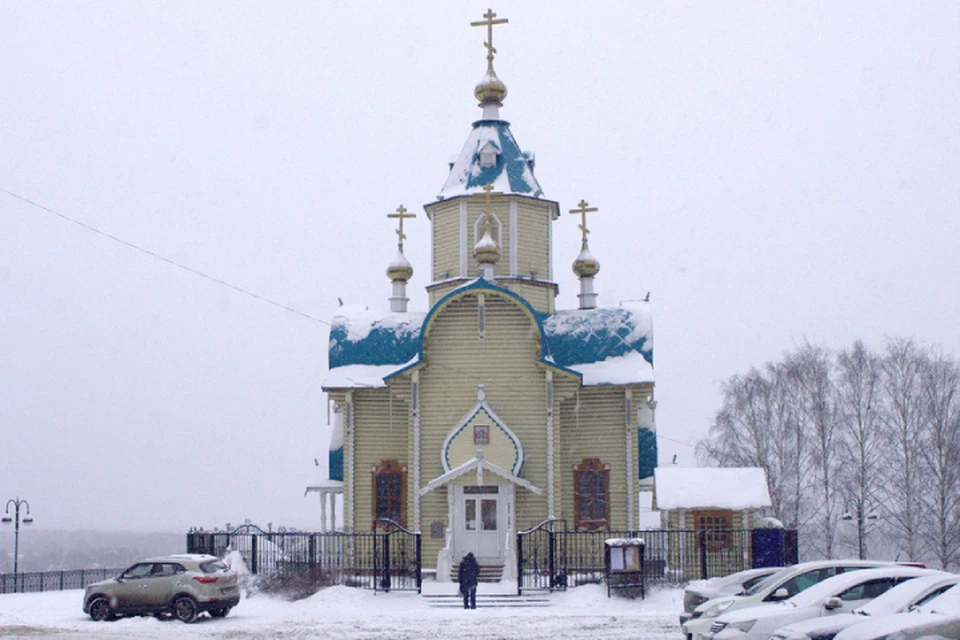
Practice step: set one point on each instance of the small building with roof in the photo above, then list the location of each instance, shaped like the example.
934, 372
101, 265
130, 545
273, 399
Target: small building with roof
716, 505
491, 410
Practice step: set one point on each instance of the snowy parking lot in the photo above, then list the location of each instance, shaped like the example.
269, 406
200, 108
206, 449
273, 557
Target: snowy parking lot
355, 614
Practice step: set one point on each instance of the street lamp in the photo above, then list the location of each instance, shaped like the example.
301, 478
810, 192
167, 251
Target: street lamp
16, 529
862, 520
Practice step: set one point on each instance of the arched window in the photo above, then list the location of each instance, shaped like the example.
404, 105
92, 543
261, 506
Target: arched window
389, 495
591, 494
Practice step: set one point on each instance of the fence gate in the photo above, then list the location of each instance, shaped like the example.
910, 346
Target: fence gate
396, 553
542, 557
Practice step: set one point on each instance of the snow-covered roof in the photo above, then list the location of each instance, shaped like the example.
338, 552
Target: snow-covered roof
512, 173
604, 346
710, 487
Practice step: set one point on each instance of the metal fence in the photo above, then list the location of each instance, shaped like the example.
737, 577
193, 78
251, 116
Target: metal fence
549, 557
34, 581
388, 558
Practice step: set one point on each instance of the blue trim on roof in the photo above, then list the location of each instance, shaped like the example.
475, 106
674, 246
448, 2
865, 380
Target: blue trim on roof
510, 159
482, 284
468, 175
382, 345
593, 335
568, 338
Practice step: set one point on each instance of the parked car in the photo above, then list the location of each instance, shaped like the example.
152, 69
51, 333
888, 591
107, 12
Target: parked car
839, 594
698, 592
776, 587
901, 598
181, 586
937, 618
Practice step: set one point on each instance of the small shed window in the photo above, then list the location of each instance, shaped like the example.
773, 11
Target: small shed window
717, 525
591, 482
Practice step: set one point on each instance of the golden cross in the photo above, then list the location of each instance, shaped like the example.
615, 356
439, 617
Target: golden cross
583, 211
489, 22
488, 189
401, 215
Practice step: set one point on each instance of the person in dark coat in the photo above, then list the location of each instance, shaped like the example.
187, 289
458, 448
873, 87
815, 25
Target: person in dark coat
469, 575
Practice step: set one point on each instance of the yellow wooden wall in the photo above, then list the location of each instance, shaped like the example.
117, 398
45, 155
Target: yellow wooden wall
505, 362
593, 426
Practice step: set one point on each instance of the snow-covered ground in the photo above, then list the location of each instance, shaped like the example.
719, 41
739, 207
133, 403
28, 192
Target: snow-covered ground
354, 614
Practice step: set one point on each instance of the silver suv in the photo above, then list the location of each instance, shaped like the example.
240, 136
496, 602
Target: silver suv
178, 585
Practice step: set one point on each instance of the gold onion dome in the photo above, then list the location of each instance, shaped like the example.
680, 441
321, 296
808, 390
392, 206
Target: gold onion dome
486, 251
586, 266
400, 268
490, 90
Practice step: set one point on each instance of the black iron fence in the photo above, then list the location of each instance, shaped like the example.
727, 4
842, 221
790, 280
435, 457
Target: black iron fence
549, 557
34, 581
387, 558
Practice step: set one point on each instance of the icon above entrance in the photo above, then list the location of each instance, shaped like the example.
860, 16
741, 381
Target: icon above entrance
482, 434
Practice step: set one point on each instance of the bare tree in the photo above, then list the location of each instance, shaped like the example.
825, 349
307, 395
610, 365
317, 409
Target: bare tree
809, 371
861, 443
940, 390
866, 433
901, 418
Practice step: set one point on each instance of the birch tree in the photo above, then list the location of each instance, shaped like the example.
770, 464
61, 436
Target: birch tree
809, 371
861, 443
940, 529
901, 418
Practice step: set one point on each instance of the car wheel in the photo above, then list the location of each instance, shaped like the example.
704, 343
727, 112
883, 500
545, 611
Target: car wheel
220, 613
100, 609
185, 609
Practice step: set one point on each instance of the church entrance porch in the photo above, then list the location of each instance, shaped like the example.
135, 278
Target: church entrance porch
479, 523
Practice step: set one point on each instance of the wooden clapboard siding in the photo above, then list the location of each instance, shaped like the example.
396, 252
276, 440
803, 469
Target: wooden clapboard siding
595, 430
446, 240
533, 222
381, 433
505, 362
540, 295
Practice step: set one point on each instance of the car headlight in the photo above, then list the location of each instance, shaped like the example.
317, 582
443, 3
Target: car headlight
743, 625
715, 610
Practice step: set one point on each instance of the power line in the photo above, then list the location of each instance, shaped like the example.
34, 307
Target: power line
157, 256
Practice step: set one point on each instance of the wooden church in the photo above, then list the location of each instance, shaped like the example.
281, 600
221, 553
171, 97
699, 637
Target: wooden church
492, 410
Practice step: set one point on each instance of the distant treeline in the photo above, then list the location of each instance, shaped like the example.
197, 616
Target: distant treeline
46, 550
860, 447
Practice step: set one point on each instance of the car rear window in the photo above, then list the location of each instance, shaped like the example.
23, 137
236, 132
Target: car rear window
213, 567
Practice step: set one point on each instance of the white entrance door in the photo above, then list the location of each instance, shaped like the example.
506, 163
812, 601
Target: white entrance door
481, 524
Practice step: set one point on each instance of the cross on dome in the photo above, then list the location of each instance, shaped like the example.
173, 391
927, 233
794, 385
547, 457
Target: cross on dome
489, 22
583, 211
401, 215
488, 190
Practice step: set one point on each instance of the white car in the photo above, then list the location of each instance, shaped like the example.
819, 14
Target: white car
698, 592
901, 598
839, 594
776, 587
938, 618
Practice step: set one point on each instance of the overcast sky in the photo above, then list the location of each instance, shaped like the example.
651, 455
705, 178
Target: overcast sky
772, 173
